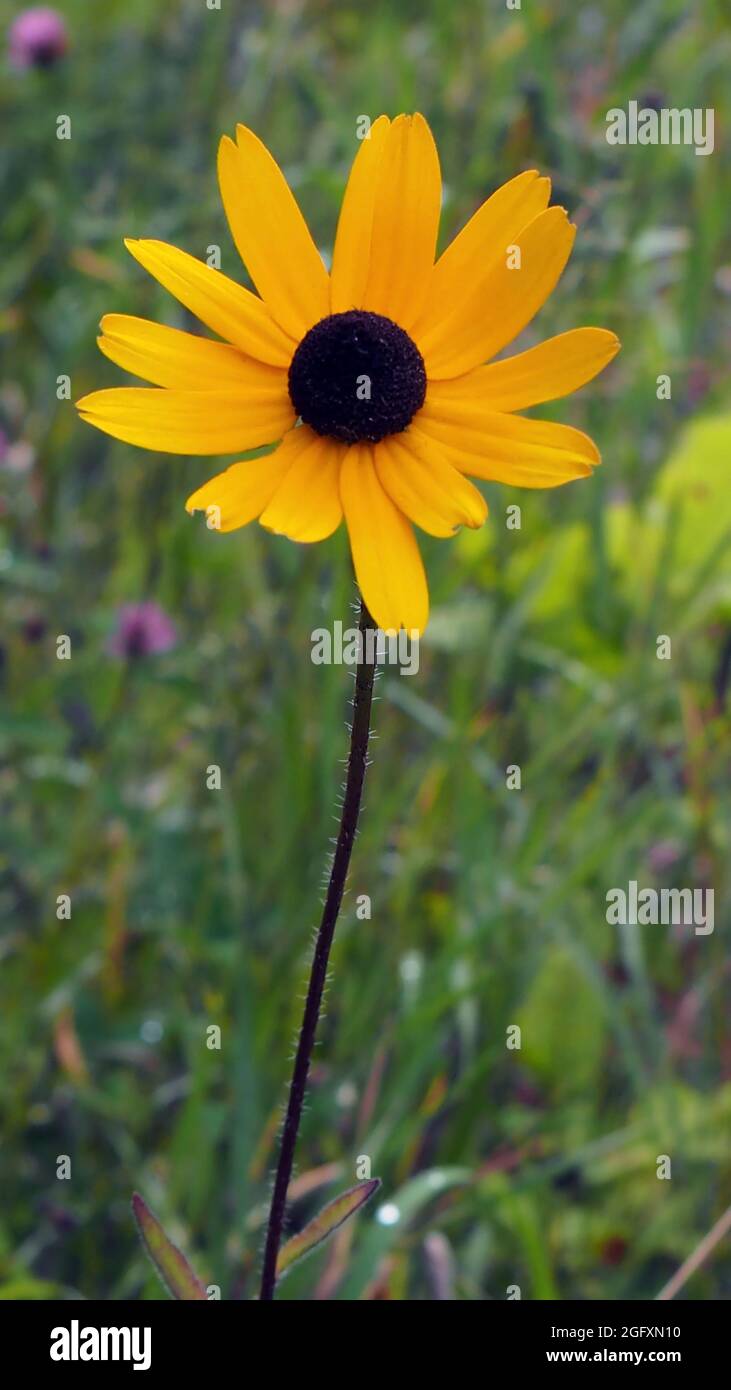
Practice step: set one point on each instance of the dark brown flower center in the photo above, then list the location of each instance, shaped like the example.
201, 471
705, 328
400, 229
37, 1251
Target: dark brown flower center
357, 376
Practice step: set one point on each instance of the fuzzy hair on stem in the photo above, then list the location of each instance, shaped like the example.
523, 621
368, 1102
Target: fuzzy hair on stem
357, 763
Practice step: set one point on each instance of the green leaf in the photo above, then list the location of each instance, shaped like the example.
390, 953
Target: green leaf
567, 1059
325, 1223
691, 493
169, 1262
24, 1288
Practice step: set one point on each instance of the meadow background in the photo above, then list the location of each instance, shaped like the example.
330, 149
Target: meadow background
193, 907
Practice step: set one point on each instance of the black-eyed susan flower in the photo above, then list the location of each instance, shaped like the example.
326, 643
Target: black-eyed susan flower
372, 378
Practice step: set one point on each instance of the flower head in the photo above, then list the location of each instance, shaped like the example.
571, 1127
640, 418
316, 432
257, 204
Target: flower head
37, 38
142, 629
371, 378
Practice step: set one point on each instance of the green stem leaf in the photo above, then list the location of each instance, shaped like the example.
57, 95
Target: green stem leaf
170, 1263
325, 1223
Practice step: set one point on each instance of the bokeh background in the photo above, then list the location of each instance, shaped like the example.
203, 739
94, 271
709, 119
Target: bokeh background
193, 907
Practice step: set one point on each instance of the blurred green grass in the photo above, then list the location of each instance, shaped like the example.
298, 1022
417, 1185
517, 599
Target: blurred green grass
192, 907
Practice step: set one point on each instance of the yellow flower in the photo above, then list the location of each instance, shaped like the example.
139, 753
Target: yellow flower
372, 377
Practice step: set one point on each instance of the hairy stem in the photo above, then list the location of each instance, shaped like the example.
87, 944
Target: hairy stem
357, 761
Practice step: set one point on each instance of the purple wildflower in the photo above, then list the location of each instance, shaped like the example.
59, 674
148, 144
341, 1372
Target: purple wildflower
37, 38
663, 855
142, 629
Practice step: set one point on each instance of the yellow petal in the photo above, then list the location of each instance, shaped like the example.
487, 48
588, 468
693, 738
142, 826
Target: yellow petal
240, 494
461, 269
271, 234
352, 251
386, 557
543, 373
405, 221
189, 422
503, 300
510, 449
229, 309
306, 506
507, 430
171, 357
425, 487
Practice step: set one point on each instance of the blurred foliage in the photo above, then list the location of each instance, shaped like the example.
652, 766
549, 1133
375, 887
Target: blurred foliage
192, 907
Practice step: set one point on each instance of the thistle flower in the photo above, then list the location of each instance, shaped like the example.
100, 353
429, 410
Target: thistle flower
372, 377
143, 629
37, 38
